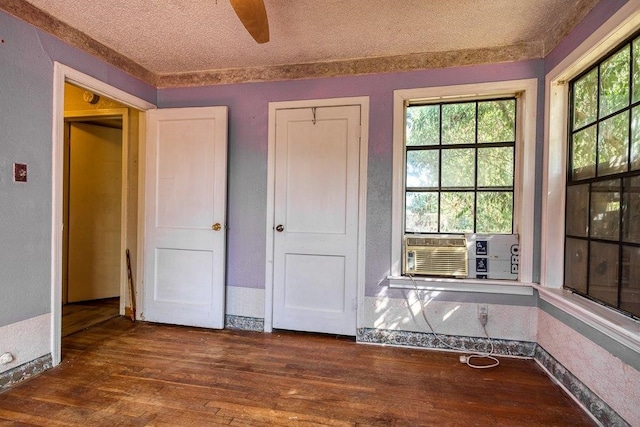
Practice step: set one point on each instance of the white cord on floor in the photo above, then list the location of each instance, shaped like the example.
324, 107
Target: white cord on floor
464, 359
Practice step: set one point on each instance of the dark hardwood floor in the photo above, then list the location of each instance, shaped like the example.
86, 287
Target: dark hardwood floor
81, 315
120, 373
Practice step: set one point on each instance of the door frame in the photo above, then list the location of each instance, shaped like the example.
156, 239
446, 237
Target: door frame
363, 103
63, 74
122, 114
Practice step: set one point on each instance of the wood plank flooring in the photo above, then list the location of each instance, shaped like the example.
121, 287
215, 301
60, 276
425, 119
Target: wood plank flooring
81, 315
120, 373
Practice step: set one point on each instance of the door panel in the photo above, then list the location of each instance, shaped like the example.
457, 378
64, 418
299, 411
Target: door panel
94, 224
185, 196
316, 202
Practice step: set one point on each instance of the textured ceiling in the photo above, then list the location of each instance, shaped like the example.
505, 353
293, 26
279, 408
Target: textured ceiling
174, 37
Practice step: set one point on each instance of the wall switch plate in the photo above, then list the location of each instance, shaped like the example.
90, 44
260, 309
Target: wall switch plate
19, 172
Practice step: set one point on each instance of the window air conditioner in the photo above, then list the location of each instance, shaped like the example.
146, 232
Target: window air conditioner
438, 255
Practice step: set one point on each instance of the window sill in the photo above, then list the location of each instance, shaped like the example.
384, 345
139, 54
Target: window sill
616, 326
507, 287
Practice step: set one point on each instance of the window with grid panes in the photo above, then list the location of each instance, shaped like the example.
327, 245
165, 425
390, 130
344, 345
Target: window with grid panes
459, 167
602, 225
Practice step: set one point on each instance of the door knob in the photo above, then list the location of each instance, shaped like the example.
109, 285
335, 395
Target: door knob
279, 228
216, 227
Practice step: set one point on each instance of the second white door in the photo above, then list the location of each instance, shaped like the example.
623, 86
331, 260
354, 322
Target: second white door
315, 270
185, 216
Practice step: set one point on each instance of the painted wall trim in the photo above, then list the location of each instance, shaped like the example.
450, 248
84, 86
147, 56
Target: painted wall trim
457, 285
26, 340
363, 102
62, 74
615, 332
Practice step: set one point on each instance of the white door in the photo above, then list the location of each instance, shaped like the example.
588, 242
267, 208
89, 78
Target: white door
185, 214
316, 219
94, 200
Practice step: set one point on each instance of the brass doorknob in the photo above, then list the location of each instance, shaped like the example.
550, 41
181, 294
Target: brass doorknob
216, 227
280, 228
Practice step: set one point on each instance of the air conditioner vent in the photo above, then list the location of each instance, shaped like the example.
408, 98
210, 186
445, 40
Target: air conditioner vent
442, 255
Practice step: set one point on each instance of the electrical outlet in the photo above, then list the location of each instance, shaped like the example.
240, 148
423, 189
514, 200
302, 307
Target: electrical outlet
483, 313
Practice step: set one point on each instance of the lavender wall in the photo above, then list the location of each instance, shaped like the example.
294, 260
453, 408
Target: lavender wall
27, 57
248, 122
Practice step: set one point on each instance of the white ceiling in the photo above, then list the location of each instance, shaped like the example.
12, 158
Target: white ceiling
186, 36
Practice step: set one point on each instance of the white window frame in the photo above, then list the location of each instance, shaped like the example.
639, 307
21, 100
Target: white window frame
526, 91
624, 23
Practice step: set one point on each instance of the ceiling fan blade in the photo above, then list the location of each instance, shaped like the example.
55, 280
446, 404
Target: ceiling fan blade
253, 16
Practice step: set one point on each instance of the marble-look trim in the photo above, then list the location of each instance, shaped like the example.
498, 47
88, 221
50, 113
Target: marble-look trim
356, 66
244, 323
428, 340
588, 399
23, 372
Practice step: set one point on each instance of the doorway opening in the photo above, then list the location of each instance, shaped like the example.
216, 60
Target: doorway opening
99, 208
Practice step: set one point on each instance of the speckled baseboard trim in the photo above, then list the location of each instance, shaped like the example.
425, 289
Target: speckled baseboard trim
429, 340
244, 323
23, 372
594, 404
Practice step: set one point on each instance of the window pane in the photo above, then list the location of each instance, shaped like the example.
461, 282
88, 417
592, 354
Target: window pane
422, 168
585, 100
456, 212
636, 70
631, 209
577, 210
613, 143
421, 212
458, 167
635, 138
496, 121
575, 265
494, 212
614, 82
605, 209
603, 272
495, 167
459, 123
630, 292
423, 125
584, 154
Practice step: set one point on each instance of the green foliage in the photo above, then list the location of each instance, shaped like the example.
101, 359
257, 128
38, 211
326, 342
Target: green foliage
456, 212
421, 213
614, 82
458, 167
635, 139
495, 212
423, 125
612, 92
495, 167
422, 168
459, 123
584, 153
497, 121
585, 99
436, 164
613, 140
